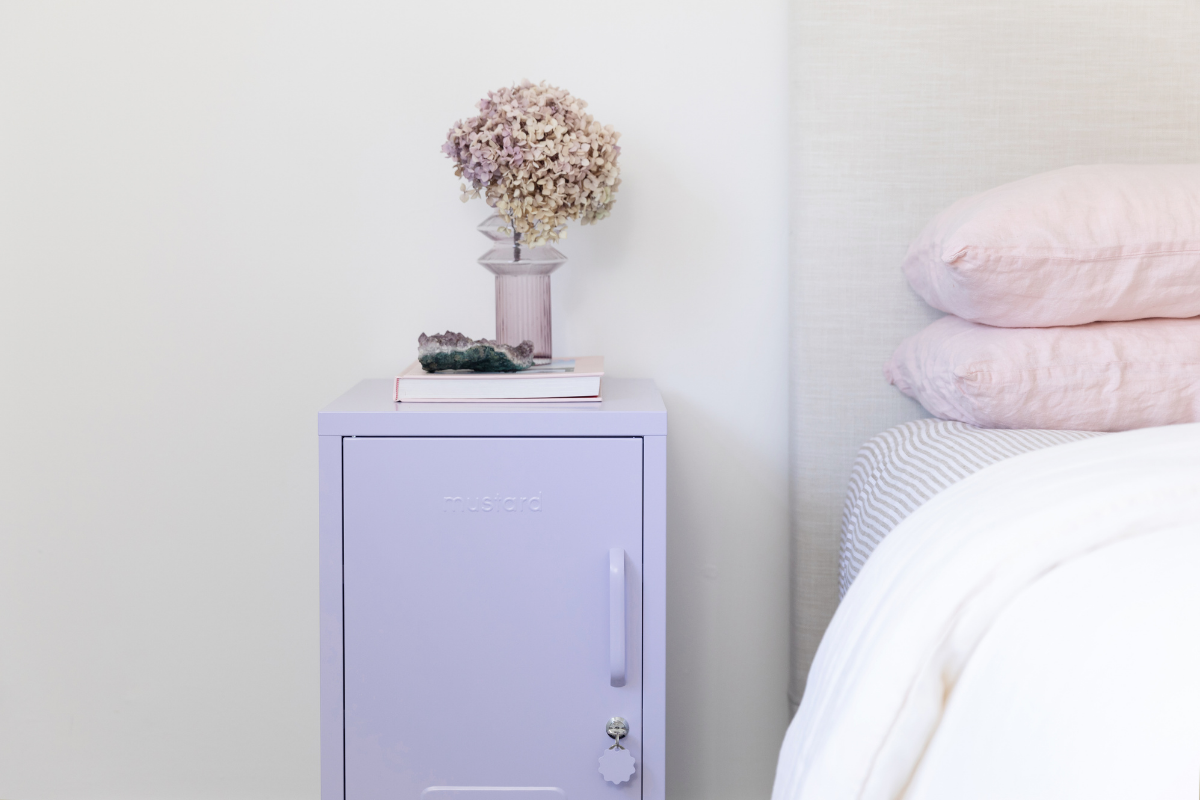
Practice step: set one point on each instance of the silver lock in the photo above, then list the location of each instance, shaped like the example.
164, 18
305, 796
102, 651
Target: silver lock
617, 763
617, 728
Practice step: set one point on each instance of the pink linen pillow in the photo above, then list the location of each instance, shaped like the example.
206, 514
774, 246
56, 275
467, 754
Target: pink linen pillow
1096, 377
1110, 242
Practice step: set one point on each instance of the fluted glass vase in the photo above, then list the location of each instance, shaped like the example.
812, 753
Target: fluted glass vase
522, 287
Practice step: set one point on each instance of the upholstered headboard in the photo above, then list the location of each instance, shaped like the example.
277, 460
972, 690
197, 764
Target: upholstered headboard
898, 108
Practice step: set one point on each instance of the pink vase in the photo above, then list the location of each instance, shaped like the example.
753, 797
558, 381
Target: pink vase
522, 287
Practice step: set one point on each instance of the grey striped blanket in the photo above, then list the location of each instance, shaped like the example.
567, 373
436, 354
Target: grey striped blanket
900, 469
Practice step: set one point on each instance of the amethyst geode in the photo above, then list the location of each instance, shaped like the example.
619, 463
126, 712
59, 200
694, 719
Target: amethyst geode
451, 351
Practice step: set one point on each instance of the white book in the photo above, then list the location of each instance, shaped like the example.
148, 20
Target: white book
562, 379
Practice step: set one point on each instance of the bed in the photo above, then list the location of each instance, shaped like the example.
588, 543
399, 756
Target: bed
975, 612
1021, 611
1027, 631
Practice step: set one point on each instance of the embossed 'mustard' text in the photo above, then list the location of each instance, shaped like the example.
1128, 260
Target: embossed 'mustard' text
492, 503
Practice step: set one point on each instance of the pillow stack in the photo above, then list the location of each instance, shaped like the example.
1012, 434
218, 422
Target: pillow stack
1075, 303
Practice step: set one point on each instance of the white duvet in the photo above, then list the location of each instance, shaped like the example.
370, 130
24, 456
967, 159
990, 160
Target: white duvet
1032, 631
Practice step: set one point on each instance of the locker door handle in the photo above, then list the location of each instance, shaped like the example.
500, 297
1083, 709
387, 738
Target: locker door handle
616, 616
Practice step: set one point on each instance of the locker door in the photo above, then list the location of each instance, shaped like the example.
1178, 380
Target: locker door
478, 615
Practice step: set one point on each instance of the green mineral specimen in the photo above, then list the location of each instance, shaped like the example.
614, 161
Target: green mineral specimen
453, 351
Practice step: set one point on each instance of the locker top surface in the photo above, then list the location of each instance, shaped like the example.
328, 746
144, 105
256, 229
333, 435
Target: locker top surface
632, 407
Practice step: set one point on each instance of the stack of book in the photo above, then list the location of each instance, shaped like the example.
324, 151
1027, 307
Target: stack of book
560, 381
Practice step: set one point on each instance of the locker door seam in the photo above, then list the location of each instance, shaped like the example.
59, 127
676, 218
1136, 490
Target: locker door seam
343, 569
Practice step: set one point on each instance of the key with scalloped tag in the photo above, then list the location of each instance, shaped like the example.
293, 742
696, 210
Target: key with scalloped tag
617, 764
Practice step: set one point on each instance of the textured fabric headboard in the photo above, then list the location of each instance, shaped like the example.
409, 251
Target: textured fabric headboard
899, 107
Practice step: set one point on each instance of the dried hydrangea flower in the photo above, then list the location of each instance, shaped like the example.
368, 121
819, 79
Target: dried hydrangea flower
535, 156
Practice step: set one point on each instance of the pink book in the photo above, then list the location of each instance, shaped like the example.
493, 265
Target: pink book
562, 380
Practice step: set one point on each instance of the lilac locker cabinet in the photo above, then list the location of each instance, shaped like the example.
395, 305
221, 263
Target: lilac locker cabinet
479, 645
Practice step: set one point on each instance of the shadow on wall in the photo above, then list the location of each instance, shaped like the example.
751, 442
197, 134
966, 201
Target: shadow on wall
724, 557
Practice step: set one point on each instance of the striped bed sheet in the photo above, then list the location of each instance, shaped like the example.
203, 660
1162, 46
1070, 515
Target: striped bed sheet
900, 469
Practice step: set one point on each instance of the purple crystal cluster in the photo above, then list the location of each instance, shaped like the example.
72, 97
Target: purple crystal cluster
538, 158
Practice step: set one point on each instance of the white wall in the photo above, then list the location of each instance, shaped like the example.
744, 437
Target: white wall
215, 218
